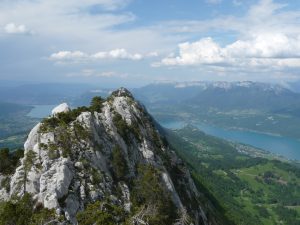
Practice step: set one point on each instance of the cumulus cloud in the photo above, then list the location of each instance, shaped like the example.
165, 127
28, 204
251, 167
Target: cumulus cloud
268, 40
12, 28
261, 50
269, 45
68, 55
78, 56
117, 54
202, 51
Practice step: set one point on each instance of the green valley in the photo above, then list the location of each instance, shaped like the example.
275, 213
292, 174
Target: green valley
251, 190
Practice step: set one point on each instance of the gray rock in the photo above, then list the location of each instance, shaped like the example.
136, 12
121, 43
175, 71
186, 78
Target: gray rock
73, 164
60, 108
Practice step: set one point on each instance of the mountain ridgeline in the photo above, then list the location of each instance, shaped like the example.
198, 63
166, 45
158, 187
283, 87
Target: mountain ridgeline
221, 95
103, 164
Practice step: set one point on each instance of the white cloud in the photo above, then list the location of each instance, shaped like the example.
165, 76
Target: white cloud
12, 28
267, 42
262, 50
68, 55
78, 56
264, 9
266, 35
117, 54
202, 51
86, 25
153, 54
268, 45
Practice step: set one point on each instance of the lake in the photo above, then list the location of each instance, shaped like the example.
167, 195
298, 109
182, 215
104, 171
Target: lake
284, 146
41, 111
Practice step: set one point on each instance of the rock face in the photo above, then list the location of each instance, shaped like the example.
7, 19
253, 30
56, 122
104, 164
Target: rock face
61, 108
69, 165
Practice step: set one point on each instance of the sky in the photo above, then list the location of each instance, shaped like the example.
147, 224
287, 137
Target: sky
135, 42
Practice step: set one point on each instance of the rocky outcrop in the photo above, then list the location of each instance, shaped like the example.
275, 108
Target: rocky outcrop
69, 160
62, 108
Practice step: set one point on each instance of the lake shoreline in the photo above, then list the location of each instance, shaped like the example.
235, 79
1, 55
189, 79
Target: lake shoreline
276, 145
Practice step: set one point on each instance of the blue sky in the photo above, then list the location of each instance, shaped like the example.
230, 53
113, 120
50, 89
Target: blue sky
135, 42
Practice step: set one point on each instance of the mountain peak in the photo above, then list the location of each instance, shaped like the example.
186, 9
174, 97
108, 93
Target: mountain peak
110, 153
122, 92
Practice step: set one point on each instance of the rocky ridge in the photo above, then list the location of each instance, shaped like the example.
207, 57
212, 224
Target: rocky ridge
78, 157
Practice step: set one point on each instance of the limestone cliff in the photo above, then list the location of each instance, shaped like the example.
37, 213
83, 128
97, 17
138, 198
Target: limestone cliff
77, 157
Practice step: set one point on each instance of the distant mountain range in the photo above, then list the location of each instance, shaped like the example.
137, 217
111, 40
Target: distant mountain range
221, 95
268, 108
